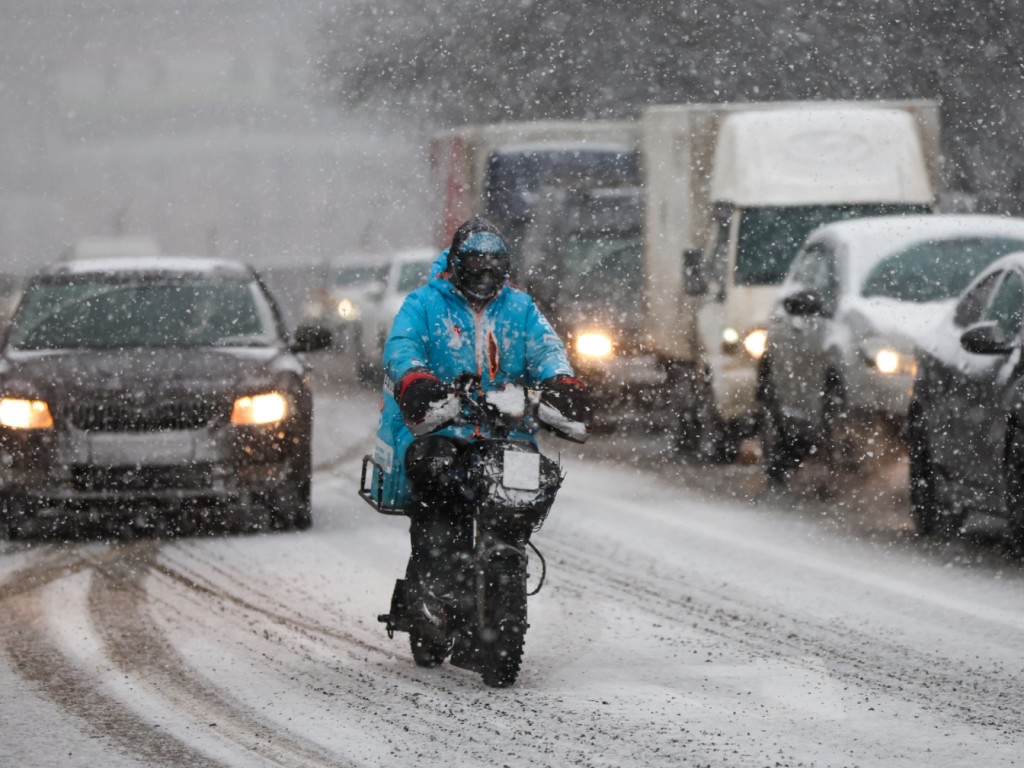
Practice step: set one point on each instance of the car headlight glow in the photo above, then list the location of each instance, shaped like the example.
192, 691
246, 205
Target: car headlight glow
882, 355
891, 362
253, 410
594, 344
755, 343
16, 413
348, 309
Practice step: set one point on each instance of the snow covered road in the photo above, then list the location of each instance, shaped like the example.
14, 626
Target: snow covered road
677, 627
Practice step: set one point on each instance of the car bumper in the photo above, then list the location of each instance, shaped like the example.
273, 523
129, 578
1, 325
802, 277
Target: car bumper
621, 376
70, 469
886, 395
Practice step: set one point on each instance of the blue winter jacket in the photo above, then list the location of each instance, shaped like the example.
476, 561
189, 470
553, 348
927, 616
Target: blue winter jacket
508, 341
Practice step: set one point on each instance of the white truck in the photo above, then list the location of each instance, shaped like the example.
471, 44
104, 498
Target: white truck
730, 191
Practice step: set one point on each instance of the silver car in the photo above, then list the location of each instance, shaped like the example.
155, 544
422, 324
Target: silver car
859, 299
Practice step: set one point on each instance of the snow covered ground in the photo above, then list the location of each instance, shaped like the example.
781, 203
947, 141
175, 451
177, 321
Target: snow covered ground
677, 627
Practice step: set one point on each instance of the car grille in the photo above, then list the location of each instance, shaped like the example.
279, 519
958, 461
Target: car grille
194, 476
114, 416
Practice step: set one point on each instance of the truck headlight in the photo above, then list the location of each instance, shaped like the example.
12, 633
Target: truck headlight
253, 410
754, 342
16, 413
348, 309
595, 344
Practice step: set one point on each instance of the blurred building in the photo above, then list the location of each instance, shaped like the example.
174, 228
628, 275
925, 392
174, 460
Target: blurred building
192, 122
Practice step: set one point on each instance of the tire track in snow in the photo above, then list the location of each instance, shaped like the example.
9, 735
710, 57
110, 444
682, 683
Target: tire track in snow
41, 662
119, 607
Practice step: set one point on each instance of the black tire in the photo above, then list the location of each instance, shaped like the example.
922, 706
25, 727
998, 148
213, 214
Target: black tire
836, 448
780, 452
702, 430
923, 505
426, 652
291, 502
290, 506
1014, 467
503, 633
928, 516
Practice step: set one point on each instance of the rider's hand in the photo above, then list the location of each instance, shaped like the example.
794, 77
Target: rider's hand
427, 404
566, 407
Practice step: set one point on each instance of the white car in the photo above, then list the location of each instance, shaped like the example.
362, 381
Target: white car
859, 299
351, 286
407, 271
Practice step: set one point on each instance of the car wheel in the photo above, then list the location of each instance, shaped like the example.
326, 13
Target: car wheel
840, 443
711, 438
928, 516
780, 452
291, 502
1014, 468
290, 506
923, 505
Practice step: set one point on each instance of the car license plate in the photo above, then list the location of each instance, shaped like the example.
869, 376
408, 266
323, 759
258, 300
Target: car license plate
521, 471
120, 449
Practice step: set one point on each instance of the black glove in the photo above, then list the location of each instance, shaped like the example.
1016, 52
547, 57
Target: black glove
426, 403
566, 407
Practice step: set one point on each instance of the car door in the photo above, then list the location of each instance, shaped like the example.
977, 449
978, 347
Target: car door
969, 428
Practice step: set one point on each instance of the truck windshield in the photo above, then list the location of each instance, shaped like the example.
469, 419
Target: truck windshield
770, 237
601, 268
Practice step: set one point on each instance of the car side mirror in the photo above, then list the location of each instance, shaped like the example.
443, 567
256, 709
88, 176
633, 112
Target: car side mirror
985, 338
804, 303
311, 338
695, 282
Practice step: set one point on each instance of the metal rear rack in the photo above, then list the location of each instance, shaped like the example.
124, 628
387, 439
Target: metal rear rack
367, 493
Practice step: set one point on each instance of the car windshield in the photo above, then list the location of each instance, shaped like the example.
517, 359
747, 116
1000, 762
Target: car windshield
936, 269
116, 313
770, 237
412, 275
359, 275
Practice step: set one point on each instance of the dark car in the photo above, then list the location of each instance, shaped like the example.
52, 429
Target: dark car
966, 427
147, 391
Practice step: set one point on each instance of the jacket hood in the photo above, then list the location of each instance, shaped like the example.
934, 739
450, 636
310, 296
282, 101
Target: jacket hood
439, 280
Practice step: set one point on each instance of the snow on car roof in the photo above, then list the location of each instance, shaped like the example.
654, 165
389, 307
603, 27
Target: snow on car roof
888, 233
869, 240
171, 264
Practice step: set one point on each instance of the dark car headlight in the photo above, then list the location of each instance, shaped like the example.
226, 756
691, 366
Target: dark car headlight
16, 413
256, 410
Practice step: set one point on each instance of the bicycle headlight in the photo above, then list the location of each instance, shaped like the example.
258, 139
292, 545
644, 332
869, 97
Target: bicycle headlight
254, 410
594, 344
16, 413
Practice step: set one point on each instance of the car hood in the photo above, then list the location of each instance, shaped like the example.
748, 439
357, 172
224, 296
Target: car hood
905, 323
146, 373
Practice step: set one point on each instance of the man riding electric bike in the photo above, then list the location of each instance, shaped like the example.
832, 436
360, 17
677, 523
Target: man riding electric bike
465, 341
